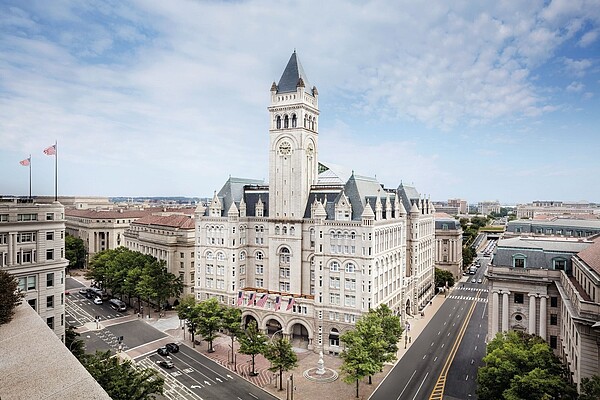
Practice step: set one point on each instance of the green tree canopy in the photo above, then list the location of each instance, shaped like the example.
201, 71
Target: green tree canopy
208, 320
590, 388
121, 379
252, 342
442, 277
75, 251
282, 357
518, 364
357, 356
76, 346
10, 297
232, 323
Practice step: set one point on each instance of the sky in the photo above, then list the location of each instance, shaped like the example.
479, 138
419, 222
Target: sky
479, 100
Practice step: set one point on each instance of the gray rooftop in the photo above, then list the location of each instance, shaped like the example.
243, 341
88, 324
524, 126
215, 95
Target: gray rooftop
292, 73
35, 364
550, 244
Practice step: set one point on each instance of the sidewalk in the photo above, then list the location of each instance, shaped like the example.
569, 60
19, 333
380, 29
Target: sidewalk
305, 389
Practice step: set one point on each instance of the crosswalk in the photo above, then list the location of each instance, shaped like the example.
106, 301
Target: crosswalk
455, 297
173, 389
472, 289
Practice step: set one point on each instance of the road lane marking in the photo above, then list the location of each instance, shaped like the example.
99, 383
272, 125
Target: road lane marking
420, 386
407, 383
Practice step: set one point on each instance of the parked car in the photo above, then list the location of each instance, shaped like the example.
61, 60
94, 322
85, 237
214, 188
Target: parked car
165, 363
83, 291
172, 347
479, 280
163, 351
117, 304
97, 300
473, 280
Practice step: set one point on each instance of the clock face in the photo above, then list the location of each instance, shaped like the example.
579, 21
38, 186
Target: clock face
285, 148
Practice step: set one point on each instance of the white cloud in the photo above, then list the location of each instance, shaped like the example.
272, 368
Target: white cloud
575, 87
577, 68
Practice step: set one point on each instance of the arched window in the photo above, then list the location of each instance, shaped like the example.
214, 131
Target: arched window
334, 266
305, 121
284, 255
210, 255
286, 122
292, 231
350, 268
294, 120
519, 261
259, 255
221, 256
284, 230
277, 230
278, 122
334, 337
242, 256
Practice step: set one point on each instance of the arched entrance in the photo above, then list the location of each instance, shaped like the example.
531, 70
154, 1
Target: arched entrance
299, 336
273, 326
334, 337
247, 319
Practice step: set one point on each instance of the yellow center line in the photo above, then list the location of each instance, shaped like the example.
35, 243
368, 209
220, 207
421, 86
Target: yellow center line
440, 385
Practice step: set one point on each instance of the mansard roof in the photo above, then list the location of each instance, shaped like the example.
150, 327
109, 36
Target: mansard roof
291, 75
359, 189
408, 195
233, 191
591, 255
330, 193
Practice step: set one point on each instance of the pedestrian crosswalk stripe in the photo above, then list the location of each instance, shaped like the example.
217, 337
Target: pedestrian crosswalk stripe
454, 297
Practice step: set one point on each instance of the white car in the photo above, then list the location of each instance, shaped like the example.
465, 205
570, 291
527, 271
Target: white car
97, 300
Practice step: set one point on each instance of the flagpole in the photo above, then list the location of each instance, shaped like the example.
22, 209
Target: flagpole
55, 170
30, 177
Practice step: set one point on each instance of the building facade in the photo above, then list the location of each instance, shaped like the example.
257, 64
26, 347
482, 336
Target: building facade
567, 227
461, 205
558, 208
488, 207
550, 287
32, 248
307, 254
448, 244
170, 238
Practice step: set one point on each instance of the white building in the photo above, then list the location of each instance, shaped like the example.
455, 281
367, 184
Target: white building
488, 207
32, 248
308, 252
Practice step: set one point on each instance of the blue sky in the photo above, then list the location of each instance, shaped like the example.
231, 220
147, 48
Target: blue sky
490, 100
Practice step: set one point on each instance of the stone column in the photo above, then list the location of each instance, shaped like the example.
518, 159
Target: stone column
505, 311
12, 242
543, 316
531, 313
495, 307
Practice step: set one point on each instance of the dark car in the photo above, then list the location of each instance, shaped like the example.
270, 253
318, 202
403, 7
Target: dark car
172, 347
163, 351
165, 364
83, 290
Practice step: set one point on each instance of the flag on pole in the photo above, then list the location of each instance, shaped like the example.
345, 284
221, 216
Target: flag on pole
240, 298
50, 151
25, 162
277, 303
263, 300
251, 299
291, 302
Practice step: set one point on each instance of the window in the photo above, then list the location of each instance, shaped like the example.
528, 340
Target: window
553, 319
560, 264
350, 268
553, 301
334, 282
334, 266
26, 217
350, 284
220, 270
50, 322
49, 216
284, 286
49, 235
209, 283
209, 269
259, 255
50, 302
259, 269
350, 301
334, 298
50, 279
553, 342
31, 282
284, 273
3, 217
220, 284
519, 262
50, 254
519, 298
259, 282
180, 255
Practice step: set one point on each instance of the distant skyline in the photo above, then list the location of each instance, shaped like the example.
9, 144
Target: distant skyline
474, 100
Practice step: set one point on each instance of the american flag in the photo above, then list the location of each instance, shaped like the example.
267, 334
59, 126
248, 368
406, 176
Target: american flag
25, 162
291, 302
251, 299
50, 151
277, 303
240, 299
263, 300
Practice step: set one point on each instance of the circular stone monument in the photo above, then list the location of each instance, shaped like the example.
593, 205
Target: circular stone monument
321, 374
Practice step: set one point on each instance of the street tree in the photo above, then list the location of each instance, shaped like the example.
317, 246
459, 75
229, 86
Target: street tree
75, 345
391, 330
518, 364
74, 251
590, 388
282, 357
357, 356
208, 320
121, 379
187, 312
232, 323
252, 342
443, 278
10, 296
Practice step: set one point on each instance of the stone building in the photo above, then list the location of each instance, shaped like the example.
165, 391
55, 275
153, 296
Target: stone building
550, 286
308, 253
448, 244
32, 248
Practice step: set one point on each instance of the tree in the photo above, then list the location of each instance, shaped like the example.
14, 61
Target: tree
158, 284
282, 357
358, 357
252, 342
208, 320
187, 311
74, 251
443, 278
10, 297
76, 346
232, 323
590, 388
121, 379
518, 364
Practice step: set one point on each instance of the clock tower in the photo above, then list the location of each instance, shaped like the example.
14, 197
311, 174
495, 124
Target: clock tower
293, 165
